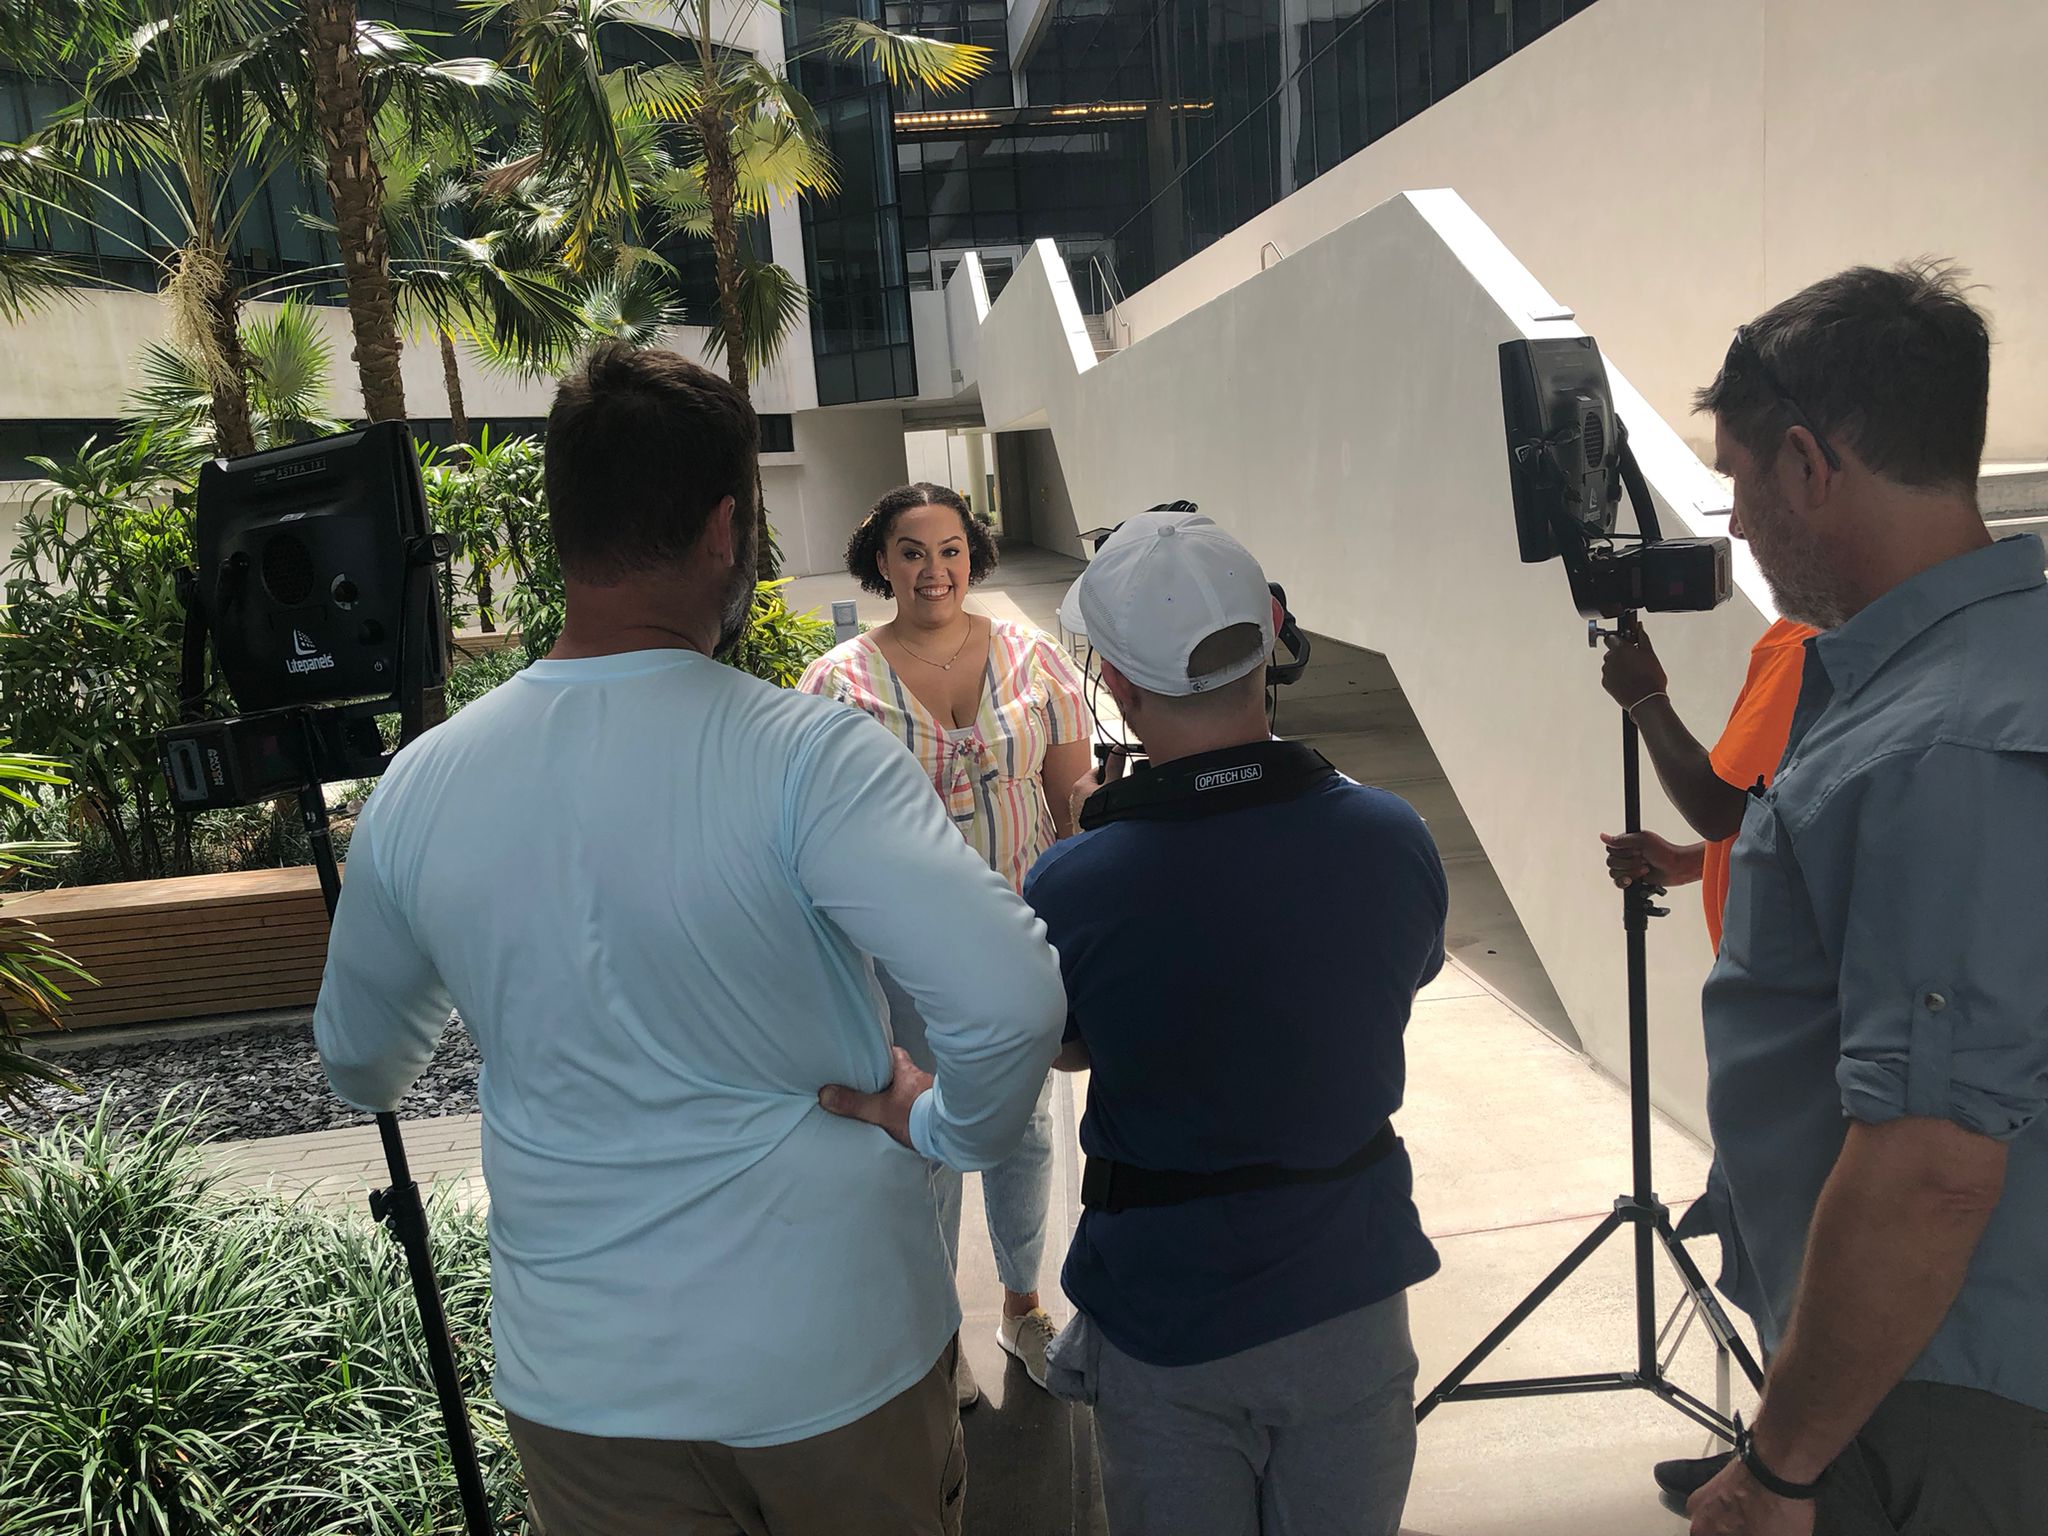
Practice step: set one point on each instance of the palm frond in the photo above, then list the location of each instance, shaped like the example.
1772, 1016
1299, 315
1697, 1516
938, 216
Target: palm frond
681, 198
108, 141
670, 93
775, 161
46, 34
905, 58
772, 304
634, 306
290, 365
291, 361
524, 321
36, 280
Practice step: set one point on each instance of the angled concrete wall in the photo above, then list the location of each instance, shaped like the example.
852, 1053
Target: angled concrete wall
1341, 414
1683, 164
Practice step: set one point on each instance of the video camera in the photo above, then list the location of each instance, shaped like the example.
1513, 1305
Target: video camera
1570, 462
316, 585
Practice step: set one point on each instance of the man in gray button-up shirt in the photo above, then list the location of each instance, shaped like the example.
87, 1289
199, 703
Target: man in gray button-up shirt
1877, 1024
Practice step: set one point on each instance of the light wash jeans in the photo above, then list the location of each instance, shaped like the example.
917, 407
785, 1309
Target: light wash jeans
1015, 1194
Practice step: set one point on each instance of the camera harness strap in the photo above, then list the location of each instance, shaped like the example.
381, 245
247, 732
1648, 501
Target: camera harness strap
1212, 783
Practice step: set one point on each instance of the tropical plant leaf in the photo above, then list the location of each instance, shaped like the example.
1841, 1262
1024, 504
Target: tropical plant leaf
775, 161
772, 304
905, 58
633, 306
34, 280
290, 381
656, 92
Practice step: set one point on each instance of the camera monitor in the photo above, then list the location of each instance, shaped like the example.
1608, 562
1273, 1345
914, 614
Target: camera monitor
1562, 439
1569, 461
304, 554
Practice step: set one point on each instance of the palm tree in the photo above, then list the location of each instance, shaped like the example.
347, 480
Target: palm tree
206, 100
751, 139
291, 368
455, 277
357, 192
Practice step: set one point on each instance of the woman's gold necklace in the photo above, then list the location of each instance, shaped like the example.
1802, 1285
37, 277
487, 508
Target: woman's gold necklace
947, 664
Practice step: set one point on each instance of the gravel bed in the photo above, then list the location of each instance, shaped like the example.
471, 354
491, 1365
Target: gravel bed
256, 1082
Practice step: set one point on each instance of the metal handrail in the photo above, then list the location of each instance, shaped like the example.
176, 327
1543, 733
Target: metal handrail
1109, 297
1274, 247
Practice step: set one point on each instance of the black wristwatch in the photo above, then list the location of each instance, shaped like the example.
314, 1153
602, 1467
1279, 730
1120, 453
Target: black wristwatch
1769, 1481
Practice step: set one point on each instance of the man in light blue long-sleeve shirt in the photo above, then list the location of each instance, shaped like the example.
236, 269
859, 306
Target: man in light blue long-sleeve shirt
654, 888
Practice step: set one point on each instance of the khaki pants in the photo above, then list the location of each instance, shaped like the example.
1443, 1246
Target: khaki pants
899, 1471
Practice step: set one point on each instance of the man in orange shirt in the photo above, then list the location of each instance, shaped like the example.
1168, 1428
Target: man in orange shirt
1711, 791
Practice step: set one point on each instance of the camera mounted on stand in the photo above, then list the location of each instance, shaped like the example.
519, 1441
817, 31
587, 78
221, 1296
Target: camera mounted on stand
1571, 461
317, 586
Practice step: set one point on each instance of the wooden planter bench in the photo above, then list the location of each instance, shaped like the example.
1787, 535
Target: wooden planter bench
187, 948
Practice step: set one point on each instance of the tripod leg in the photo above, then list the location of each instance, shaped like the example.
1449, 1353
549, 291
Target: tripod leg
1724, 1385
1725, 1335
399, 1208
1446, 1388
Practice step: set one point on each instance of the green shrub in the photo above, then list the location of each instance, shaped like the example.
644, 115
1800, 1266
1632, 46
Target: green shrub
474, 678
176, 1362
89, 650
489, 499
779, 643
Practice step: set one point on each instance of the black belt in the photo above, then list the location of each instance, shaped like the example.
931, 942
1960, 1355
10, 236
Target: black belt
1113, 1186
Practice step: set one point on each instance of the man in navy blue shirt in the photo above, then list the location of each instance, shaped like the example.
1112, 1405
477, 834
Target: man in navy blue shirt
1242, 931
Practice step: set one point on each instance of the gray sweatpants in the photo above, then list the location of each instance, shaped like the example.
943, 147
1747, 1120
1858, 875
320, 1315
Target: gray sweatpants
1310, 1435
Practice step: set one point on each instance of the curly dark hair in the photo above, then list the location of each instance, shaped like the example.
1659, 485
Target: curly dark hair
864, 549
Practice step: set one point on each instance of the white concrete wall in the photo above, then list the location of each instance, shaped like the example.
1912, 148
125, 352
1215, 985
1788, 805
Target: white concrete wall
1350, 433
944, 458
845, 459
1048, 504
1680, 166
78, 360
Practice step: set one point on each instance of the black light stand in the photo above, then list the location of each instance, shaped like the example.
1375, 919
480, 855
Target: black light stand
316, 588
1569, 465
400, 1210
1639, 1210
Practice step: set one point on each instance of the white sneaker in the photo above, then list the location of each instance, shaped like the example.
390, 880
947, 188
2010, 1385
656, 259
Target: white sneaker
966, 1390
1028, 1338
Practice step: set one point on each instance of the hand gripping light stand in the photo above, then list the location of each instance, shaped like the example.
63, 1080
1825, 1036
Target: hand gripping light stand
317, 586
1570, 460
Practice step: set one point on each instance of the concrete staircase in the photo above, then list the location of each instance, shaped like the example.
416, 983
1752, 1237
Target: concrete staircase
1099, 334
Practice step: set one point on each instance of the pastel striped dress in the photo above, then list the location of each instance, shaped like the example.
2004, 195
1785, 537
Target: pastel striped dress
987, 772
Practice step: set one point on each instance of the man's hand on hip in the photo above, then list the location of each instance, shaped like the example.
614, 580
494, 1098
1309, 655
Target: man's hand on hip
890, 1109
1736, 1504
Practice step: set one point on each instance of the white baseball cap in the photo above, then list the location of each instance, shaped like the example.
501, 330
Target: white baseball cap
1162, 584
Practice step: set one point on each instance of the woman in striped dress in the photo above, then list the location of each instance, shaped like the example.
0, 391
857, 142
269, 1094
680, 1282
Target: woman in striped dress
994, 713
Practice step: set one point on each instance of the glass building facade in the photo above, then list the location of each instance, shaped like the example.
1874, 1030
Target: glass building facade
853, 240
